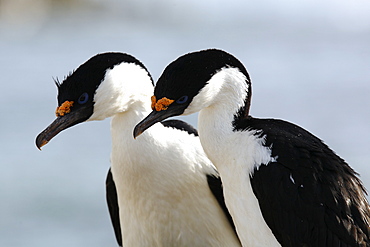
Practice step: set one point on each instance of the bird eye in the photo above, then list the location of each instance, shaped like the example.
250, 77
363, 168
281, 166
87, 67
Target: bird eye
83, 98
182, 99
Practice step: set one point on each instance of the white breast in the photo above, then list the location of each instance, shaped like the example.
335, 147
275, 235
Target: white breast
163, 192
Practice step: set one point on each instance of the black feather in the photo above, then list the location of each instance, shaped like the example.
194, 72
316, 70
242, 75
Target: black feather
215, 184
112, 201
180, 125
309, 196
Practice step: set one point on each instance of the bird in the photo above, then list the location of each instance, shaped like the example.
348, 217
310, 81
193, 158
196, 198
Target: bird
282, 185
161, 190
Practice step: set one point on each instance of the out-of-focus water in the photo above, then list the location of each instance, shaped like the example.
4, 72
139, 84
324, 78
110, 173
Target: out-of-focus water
309, 62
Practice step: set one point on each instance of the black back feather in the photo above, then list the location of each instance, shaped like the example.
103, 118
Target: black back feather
309, 196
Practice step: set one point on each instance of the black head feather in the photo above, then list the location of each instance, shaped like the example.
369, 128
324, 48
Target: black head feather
188, 74
87, 77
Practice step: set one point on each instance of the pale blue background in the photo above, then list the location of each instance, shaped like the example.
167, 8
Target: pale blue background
309, 62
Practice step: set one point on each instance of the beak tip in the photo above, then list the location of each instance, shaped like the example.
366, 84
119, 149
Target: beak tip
137, 132
153, 118
40, 142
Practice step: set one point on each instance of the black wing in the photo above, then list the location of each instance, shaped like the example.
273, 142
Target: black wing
309, 196
215, 184
112, 200
181, 125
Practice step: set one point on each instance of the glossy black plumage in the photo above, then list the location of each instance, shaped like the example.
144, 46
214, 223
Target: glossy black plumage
317, 198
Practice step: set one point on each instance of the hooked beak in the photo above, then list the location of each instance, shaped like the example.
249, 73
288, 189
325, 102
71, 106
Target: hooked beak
61, 123
155, 117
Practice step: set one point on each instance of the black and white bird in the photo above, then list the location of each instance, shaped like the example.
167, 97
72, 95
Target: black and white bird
161, 190
283, 186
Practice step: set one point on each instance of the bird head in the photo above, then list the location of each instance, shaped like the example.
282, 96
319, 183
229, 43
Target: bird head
99, 88
190, 83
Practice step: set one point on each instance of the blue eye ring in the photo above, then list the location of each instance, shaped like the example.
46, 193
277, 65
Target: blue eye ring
83, 98
182, 99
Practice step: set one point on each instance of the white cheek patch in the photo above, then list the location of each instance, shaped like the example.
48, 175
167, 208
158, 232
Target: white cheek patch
226, 80
122, 85
206, 95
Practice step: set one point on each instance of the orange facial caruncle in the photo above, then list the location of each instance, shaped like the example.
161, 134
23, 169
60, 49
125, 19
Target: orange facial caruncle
161, 104
64, 108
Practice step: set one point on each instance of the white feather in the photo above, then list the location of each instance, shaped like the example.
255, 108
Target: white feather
235, 154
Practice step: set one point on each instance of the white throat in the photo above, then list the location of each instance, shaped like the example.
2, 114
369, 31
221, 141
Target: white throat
235, 154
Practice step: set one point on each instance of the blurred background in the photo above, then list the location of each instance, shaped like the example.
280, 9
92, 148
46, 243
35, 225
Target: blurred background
309, 61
